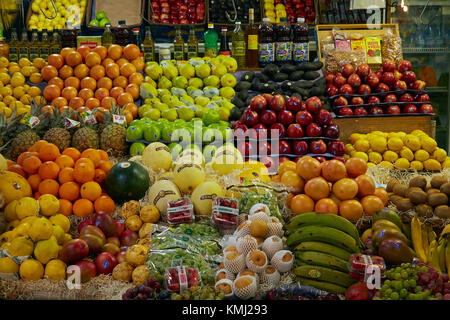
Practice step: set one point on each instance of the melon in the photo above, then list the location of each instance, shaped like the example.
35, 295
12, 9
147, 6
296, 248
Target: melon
255, 170
192, 155
13, 187
187, 176
127, 181
227, 159
203, 197
161, 192
157, 156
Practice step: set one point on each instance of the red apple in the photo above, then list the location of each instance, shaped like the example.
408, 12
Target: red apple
404, 66
105, 262
390, 98
128, 238
360, 111
294, 104
388, 66
332, 90
240, 130
379, 74
419, 85
364, 89
320, 159
313, 104
336, 148
410, 108
83, 224
400, 85
345, 111
427, 108
304, 118
346, 89
340, 101
87, 270
347, 69
382, 87
295, 130
329, 77
323, 117
277, 103
407, 97
260, 131
258, 103
339, 80
285, 117
268, 117
250, 117
121, 257
373, 100
393, 109
388, 78
423, 98
358, 291
409, 77
300, 147
284, 147
354, 80
264, 147
269, 163
331, 131
376, 111
372, 80
268, 97
363, 70
281, 130
120, 227
313, 130
318, 146
356, 101
247, 148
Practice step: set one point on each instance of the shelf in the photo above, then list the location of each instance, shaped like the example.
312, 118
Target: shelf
437, 90
425, 50
432, 3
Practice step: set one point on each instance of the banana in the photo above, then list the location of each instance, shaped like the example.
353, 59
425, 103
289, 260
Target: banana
441, 255
425, 242
447, 256
322, 259
324, 274
323, 234
434, 256
324, 219
325, 248
431, 234
325, 286
446, 230
416, 233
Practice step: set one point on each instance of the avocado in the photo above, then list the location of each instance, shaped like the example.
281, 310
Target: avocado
249, 98
266, 87
395, 251
287, 68
311, 75
262, 77
235, 114
306, 66
255, 84
248, 76
295, 76
243, 85
316, 91
280, 77
317, 65
326, 106
287, 85
270, 70
238, 102
303, 92
322, 82
277, 91
242, 95
304, 84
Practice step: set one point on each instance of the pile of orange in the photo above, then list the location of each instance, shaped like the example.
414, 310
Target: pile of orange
75, 178
85, 78
331, 187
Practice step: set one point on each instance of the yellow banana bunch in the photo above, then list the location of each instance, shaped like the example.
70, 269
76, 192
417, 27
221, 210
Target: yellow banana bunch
417, 239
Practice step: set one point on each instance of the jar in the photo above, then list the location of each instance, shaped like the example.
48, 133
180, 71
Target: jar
164, 52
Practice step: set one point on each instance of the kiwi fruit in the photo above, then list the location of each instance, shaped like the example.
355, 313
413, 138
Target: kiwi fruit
445, 188
424, 210
405, 205
419, 182
411, 189
438, 181
400, 189
417, 196
390, 185
432, 190
442, 211
395, 198
437, 199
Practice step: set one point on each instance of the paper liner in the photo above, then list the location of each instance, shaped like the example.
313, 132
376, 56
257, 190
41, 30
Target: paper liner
259, 216
236, 265
270, 247
275, 229
270, 278
228, 275
253, 266
244, 231
279, 264
227, 281
247, 292
246, 244
259, 207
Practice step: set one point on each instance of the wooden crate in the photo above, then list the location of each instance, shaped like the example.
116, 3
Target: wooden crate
119, 11
349, 125
29, 13
150, 21
258, 20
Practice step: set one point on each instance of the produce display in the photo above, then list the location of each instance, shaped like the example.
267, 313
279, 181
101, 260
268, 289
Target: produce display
173, 12
66, 11
291, 9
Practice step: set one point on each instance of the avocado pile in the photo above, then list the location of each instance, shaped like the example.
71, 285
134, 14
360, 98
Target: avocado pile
218, 10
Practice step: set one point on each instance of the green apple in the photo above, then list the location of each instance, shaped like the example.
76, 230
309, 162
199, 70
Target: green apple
228, 80
166, 132
137, 149
163, 92
170, 114
227, 92
202, 71
186, 70
100, 15
208, 135
136, 122
180, 82
212, 81
153, 114
196, 82
219, 70
152, 134
186, 113
227, 133
104, 22
134, 133
94, 23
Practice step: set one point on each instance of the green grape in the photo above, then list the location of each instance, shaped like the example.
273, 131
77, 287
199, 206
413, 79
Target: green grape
395, 296
415, 277
388, 292
387, 283
412, 283
397, 276
403, 293
398, 269
377, 298
404, 274
398, 285
418, 289
424, 270
406, 284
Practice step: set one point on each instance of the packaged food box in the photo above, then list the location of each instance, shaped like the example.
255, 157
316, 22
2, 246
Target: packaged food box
180, 211
225, 212
359, 262
358, 45
373, 47
181, 278
343, 45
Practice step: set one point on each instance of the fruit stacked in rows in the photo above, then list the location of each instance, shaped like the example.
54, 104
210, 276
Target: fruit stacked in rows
391, 90
75, 178
323, 244
14, 92
65, 12
180, 211
139, 219
85, 79
177, 12
399, 150
291, 9
332, 187
220, 10
34, 236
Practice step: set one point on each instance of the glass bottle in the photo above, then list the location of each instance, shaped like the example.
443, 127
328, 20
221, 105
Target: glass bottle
69, 36
108, 37
224, 47
211, 38
24, 51
55, 44
251, 35
14, 46
148, 46
44, 49
122, 34
300, 45
178, 46
4, 48
266, 52
283, 45
192, 46
238, 45
34, 45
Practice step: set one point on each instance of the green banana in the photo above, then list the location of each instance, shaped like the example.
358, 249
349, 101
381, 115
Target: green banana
416, 233
322, 259
325, 286
323, 234
447, 256
325, 248
324, 219
441, 254
389, 215
324, 274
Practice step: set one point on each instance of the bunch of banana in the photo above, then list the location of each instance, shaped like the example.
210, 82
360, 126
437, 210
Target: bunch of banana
422, 238
440, 252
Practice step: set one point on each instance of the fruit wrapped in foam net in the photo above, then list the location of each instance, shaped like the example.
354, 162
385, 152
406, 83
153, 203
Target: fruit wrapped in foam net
272, 245
270, 276
245, 287
275, 229
246, 244
256, 261
283, 260
226, 286
250, 273
259, 212
243, 229
224, 274
234, 262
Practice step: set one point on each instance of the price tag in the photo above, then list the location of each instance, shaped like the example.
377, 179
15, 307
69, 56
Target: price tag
119, 119
32, 121
69, 123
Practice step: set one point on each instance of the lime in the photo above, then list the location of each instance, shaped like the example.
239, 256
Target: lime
210, 117
175, 149
104, 22
152, 133
134, 133
137, 149
94, 23
100, 15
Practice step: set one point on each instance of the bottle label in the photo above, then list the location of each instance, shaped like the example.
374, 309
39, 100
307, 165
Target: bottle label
283, 51
178, 53
225, 53
13, 54
44, 53
211, 52
148, 54
23, 52
55, 50
266, 52
239, 48
300, 52
253, 42
34, 53
192, 51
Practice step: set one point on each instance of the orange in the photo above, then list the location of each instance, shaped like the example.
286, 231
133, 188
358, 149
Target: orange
64, 108
131, 107
73, 59
317, 188
101, 51
124, 98
51, 92
73, 153
104, 204
31, 164
37, 146
17, 169
88, 83
371, 204
103, 155
86, 94
351, 210
128, 116
90, 190
112, 70
308, 168
49, 72
81, 71
65, 161
127, 69
293, 181
49, 152
25, 155
131, 52
92, 103
49, 110
66, 51
116, 91
57, 81
139, 64
97, 72
34, 181
382, 194
121, 62
84, 160
69, 93
49, 186
286, 166
107, 61
72, 82
93, 155
366, 185
99, 116
115, 52
83, 51
301, 203
333, 170
65, 175
80, 110
49, 170
84, 172
326, 205
100, 176
76, 103
65, 72
355, 167
136, 78
83, 208
120, 81
92, 59
101, 93
133, 89
108, 102
65, 207
60, 102
56, 60
69, 191
104, 83
345, 189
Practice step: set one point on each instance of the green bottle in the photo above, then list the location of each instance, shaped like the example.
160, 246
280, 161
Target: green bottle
211, 38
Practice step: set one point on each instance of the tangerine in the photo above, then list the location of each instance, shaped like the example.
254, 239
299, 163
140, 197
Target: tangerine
84, 172
49, 72
92, 59
112, 70
136, 78
333, 170
17, 169
326, 205
49, 170
371, 204
139, 64
31, 164
72, 82
366, 185
73, 59
81, 71
133, 89
100, 176
65, 175
115, 52
101, 51
317, 188
127, 69
83, 50
57, 81
108, 103
103, 155
66, 51
93, 155
56, 60
69, 191
83, 208
101, 93
65, 207
76, 103
382, 194
355, 167
125, 98
69, 93
92, 103
308, 168
351, 210
65, 72
34, 180
131, 107
60, 102
107, 61
104, 83
120, 81
49, 186
97, 72
65, 161
104, 204
51, 92
121, 62
131, 51
73, 153
293, 181
302, 203
116, 91
90, 190
345, 189
48, 152
88, 83
86, 94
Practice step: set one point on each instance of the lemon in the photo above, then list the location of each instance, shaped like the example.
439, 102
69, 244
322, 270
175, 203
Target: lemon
22, 229
10, 211
401, 134
361, 155
3, 62
17, 81
401, 163
41, 229
432, 165
21, 246
46, 250
412, 142
29, 220
421, 155
439, 155
8, 265
346, 156
370, 164
362, 145
380, 133
390, 156
418, 132
34, 91
61, 220
24, 62
416, 165
59, 234
428, 144
67, 238
446, 163
378, 144
6, 91
11, 225
395, 144
7, 236
31, 270
48, 204
56, 270
386, 164
407, 154
26, 207
375, 157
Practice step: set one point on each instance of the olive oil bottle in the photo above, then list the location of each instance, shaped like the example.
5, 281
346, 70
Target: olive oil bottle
148, 46
34, 45
14, 46
24, 51
192, 46
44, 49
178, 46
55, 43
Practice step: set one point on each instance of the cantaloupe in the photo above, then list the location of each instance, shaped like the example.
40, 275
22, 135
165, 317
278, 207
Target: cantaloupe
203, 197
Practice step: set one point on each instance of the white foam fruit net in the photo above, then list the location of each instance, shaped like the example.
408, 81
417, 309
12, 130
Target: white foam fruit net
272, 245
248, 291
279, 264
253, 265
236, 265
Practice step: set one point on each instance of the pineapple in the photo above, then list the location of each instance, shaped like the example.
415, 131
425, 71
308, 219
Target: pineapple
7, 126
23, 142
113, 135
57, 134
85, 138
